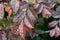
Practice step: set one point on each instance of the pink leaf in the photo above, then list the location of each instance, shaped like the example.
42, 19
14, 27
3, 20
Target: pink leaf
15, 5
19, 16
1, 11
53, 24
52, 32
32, 15
21, 30
28, 22
57, 29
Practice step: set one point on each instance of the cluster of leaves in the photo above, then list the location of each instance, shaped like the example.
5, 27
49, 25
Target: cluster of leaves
30, 20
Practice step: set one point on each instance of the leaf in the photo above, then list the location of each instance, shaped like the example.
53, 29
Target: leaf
23, 5
56, 14
9, 10
39, 9
42, 6
28, 22
55, 32
30, 31
32, 15
20, 15
52, 32
58, 8
57, 29
36, 6
4, 35
21, 30
0, 35
14, 30
46, 13
39, 1
52, 24
1, 11
25, 0
59, 22
15, 5
52, 3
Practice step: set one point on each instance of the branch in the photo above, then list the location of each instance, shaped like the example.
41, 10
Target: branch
41, 31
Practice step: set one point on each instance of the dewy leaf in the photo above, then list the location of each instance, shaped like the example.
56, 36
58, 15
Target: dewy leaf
15, 5
20, 15
32, 15
1, 11
28, 22
53, 24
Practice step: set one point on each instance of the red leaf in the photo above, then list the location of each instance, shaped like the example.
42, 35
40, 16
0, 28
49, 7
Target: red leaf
14, 29
27, 29
30, 31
